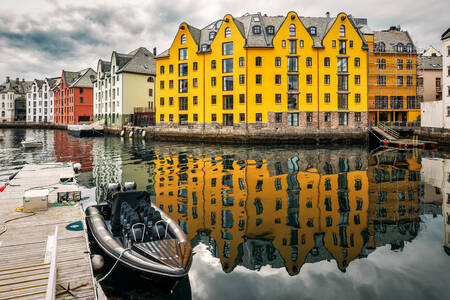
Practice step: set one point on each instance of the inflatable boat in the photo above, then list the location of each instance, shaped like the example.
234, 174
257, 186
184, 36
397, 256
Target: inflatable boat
128, 228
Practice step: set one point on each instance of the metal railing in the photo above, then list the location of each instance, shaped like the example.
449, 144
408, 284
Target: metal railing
389, 130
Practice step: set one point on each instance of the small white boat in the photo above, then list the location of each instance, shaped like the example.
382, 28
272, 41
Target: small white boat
31, 144
2, 137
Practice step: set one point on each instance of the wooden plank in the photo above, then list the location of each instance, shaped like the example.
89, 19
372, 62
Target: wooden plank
50, 256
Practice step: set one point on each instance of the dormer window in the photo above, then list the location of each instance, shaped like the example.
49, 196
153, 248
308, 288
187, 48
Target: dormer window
183, 39
204, 47
342, 31
150, 79
313, 30
409, 47
256, 29
212, 34
292, 30
227, 32
381, 47
270, 30
218, 23
399, 47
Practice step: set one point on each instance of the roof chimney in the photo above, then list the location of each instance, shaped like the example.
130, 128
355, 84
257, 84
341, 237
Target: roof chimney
327, 14
433, 54
393, 28
7, 79
154, 51
17, 80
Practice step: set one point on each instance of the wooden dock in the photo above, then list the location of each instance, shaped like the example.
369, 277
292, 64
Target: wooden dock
24, 268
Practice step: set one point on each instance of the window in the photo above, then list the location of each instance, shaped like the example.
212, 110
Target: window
400, 64
327, 117
270, 30
292, 30
194, 82
258, 98
408, 64
326, 79
81, 90
256, 29
292, 64
358, 117
342, 82
241, 117
357, 62
381, 80
227, 65
400, 80
227, 83
343, 118
195, 66
293, 82
241, 79
342, 101
342, 47
278, 117
326, 61
342, 64
161, 84
283, 43
326, 98
258, 61
183, 86
396, 102
342, 31
170, 68
213, 117
399, 47
227, 32
213, 65
308, 61
183, 39
313, 30
409, 81
161, 70
277, 61
212, 34
334, 43
350, 44
258, 117
258, 79
204, 48
81, 99
150, 92
183, 103
277, 98
301, 43
381, 64
411, 102
357, 79
213, 99
227, 101
241, 98
293, 101
308, 79
308, 98
183, 54
183, 69
213, 81
292, 46
195, 117
195, 100
293, 119
161, 118
357, 98
277, 79
309, 117
227, 48
241, 62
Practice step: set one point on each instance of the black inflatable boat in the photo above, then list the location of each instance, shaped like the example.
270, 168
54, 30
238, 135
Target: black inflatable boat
157, 246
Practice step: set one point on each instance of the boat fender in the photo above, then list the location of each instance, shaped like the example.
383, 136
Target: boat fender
131, 134
77, 167
13, 175
122, 132
97, 261
143, 133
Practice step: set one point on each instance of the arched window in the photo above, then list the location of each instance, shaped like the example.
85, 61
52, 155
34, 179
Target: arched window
227, 32
212, 34
270, 30
3, 113
313, 30
342, 30
150, 79
256, 29
292, 30
161, 70
218, 23
381, 47
204, 47
399, 47
409, 47
183, 39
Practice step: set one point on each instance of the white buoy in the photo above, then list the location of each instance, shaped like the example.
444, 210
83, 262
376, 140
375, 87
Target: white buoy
122, 132
131, 134
77, 167
97, 261
143, 133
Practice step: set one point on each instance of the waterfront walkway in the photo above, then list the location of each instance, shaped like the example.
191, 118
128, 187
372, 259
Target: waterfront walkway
25, 270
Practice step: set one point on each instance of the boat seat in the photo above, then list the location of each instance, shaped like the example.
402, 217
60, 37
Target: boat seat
129, 218
132, 198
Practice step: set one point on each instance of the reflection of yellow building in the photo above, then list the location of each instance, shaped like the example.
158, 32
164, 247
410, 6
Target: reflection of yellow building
235, 200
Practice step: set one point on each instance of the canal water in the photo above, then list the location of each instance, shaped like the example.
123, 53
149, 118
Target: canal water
276, 222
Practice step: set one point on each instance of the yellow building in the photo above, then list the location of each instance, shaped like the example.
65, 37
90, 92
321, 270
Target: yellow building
392, 76
264, 72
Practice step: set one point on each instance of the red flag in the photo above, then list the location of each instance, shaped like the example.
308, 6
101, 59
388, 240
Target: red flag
2, 188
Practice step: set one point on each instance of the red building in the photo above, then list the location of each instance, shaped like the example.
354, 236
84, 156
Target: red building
74, 97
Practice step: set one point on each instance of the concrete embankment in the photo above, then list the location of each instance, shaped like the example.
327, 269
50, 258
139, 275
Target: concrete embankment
33, 125
441, 136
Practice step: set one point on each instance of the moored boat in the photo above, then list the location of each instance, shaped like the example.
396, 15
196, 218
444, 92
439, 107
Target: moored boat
31, 144
128, 228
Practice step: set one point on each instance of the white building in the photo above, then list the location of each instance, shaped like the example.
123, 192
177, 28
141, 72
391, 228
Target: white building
12, 98
436, 114
40, 101
123, 85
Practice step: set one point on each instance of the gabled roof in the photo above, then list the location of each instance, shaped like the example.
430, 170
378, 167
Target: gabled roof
14, 86
81, 78
430, 62
392, 38
446, 34
140, 61
322, 24
105, 65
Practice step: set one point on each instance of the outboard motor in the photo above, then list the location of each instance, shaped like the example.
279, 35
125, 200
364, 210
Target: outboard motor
129, 186
112, 189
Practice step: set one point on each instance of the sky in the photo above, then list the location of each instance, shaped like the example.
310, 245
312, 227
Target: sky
40, 38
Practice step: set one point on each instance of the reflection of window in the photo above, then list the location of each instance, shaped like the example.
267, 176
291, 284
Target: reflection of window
258, 205
259, 184
293, 200
342, 181
329, 221
359, 204
227, 180
227, 219
293, 164
278, 184
343, 201
327, 185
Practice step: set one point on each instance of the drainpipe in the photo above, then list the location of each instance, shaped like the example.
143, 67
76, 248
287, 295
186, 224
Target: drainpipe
318, 91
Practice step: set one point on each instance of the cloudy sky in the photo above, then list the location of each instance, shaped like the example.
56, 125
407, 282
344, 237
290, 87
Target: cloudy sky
39, 38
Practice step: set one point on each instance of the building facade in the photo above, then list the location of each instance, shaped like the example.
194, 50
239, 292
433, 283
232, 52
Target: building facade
446, 76
12, 91
429, 78
40, 100
258, 72
392, 77
73, 97
125, 85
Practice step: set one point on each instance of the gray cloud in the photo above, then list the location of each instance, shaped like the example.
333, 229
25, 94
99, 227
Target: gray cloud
40, 38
